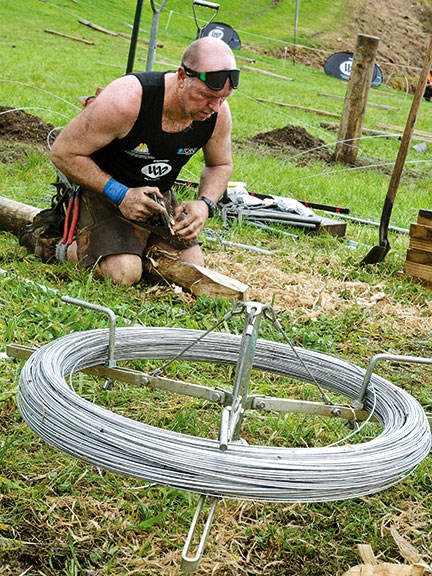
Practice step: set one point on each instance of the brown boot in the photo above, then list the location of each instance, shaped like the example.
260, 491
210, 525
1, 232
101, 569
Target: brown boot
42, 235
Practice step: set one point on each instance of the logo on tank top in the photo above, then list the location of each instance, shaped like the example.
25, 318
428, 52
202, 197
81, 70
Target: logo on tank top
187, 151
156, 170
140, 151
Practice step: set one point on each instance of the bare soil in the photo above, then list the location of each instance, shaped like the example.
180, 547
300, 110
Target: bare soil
291, 139
402, 26
20, 132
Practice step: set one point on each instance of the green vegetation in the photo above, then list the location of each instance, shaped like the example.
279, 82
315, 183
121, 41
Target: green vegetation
61, 517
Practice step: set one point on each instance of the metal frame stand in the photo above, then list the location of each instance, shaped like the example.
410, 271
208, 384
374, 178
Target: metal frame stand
235, 403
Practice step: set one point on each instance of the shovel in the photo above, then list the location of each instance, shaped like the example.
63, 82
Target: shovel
379, 252
203, 3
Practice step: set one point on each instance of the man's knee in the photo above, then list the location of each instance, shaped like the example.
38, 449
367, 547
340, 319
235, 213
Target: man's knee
193, 255
122, 269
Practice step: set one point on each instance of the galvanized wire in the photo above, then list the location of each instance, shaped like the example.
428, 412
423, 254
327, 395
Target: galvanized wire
113, 442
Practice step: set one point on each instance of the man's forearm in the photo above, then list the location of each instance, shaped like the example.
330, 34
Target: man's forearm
81, 170
214, 181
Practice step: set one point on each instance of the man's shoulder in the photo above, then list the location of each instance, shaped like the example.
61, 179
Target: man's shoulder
150, 78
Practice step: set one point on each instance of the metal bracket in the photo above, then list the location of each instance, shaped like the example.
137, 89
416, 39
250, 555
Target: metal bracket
112, 326
370, 369
191, 563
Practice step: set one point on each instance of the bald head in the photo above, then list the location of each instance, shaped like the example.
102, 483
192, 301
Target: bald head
209, 54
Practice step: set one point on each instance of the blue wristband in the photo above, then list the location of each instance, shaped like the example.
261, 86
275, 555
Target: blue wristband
115, 191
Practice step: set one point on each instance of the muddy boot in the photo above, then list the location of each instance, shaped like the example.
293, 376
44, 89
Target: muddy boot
42, 236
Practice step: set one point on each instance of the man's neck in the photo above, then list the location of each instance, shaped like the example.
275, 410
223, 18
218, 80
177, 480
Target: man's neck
173, 117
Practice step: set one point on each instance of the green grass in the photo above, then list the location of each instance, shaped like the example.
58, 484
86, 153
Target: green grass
59, 516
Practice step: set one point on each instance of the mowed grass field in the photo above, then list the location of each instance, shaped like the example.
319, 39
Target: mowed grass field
59, 516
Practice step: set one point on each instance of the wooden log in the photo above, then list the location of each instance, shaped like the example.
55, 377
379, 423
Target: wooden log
96, 27
83, 40
14, 215
421, 133
266, 73
336, 97
359, 84
195, 279
297, 107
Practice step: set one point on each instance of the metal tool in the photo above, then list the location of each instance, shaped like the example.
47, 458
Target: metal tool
203, 4
168, 215
378, 253
213, 236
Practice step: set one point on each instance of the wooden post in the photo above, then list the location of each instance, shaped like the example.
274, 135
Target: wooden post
356, 99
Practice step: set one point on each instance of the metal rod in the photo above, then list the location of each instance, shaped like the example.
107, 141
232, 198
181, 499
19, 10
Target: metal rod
191, 563
112, 326
253, 315
377, 358
134, 37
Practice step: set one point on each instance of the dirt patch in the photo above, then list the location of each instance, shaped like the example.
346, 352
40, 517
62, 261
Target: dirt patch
290, 139
403, 29
17, 125
20, 132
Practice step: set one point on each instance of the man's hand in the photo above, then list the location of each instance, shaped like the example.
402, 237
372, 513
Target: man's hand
138, 203
190, 219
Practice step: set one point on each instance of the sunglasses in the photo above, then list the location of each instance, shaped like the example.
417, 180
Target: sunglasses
215, 80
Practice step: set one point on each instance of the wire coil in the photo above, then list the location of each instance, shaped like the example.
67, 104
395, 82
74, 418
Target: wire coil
107, 440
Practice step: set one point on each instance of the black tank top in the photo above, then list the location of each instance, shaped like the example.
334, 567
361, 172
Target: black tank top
148, 156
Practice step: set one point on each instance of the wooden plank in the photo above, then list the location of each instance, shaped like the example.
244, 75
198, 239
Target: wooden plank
418, 244
245, 59
83, 40
421, 271
373, 104
14, 215
334, 127
266, 73
424, 217
96, 27
297, 107
141, 40
195, 279
419, 256
335, 228
421, 232
421, 133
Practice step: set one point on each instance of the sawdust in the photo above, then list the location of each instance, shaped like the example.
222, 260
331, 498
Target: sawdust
305, 295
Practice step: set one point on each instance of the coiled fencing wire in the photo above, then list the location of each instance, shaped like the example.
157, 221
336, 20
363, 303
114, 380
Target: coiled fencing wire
107, 440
